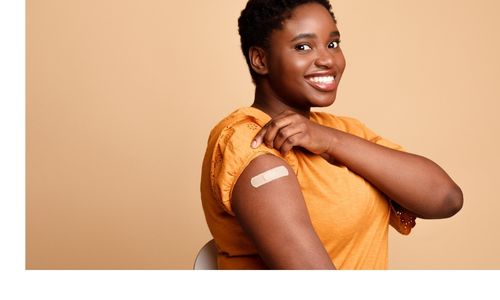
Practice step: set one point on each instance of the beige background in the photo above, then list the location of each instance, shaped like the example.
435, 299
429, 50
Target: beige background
121, 96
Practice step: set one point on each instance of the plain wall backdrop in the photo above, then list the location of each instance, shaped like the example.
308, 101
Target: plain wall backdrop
122, 94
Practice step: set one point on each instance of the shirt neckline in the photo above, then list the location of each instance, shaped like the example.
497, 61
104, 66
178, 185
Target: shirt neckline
262, 116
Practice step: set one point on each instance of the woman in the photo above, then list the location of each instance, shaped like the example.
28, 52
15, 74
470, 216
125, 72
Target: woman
287, 188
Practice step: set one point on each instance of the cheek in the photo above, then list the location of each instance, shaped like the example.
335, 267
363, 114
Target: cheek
298, 65
341, 62
295, 69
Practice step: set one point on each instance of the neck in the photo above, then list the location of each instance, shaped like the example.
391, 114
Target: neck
267, 101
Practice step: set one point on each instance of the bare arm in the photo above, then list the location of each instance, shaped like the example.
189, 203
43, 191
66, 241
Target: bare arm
275, 216
413, 181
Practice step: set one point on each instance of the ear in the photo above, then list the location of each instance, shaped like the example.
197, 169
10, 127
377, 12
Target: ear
258, 61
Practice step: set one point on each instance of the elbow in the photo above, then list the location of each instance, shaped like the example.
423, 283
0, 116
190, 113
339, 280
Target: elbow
451, 201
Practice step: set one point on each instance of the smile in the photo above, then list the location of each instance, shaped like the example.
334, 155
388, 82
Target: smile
323, 83
322, 79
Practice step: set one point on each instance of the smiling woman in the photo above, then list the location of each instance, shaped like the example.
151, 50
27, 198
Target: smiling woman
292, 76
328, 187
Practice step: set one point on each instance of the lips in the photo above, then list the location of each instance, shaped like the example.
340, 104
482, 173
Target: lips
322, 82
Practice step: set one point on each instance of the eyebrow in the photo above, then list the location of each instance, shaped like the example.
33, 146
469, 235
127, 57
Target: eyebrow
313, 36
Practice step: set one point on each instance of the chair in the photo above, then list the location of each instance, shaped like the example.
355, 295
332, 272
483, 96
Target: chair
207, 257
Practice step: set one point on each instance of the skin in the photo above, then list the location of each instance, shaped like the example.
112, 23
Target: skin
275, 217
284, 92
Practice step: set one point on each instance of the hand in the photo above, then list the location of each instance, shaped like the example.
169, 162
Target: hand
290, 129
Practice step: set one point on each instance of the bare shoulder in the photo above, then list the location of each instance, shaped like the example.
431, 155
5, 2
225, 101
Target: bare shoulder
257, 185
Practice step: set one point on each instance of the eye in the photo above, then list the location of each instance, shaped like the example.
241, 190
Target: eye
303, 47
334, 44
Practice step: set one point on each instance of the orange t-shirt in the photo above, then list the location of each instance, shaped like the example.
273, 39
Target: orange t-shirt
349, 215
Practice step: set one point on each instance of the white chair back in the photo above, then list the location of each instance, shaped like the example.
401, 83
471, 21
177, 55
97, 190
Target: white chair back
207, 257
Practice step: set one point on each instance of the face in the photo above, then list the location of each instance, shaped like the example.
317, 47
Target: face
305, 62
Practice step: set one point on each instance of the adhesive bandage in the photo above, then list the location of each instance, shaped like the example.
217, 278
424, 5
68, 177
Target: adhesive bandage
268, 176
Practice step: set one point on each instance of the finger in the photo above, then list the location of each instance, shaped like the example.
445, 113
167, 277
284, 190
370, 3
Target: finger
284, 133
259, 137
257, 140
274, 127
289, 143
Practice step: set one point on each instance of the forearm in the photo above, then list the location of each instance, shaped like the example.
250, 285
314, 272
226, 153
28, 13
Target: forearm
415, 182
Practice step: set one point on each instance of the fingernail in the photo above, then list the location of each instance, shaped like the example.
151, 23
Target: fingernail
254, 144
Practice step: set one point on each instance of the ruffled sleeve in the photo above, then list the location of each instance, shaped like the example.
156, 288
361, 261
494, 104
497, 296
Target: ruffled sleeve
401, 219
232, 154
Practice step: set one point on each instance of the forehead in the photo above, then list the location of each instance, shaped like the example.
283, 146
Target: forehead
309, 18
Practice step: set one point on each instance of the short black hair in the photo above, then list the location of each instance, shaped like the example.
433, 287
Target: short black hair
260, 17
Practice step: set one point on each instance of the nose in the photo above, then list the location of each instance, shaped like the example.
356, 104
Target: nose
324, 59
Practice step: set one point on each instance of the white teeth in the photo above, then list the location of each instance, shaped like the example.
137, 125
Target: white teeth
323, 79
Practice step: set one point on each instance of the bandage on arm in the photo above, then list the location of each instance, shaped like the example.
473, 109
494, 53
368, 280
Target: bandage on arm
270, 207
268, 176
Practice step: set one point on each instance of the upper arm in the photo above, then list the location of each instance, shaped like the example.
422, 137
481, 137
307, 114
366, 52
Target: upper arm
275, 216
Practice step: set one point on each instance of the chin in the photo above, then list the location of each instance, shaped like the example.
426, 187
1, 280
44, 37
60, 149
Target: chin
324, 101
